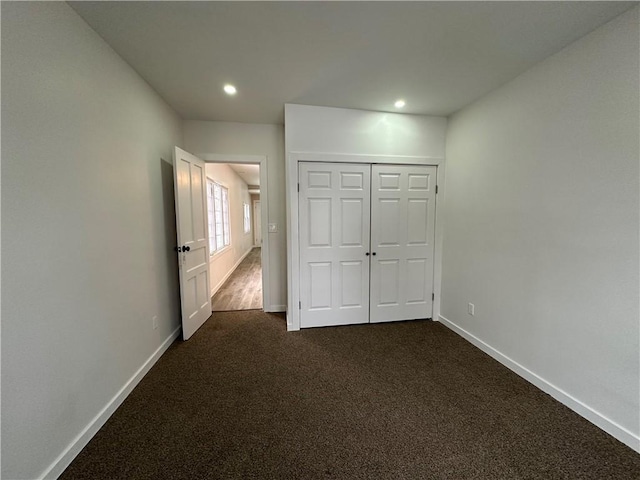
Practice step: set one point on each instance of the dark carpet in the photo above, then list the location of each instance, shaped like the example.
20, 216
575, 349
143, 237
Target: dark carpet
245, 399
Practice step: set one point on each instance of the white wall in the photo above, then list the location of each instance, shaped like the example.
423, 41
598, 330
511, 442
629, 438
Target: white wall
224, 262
88, 227
541, 225
345, 135
360, 132
222, 138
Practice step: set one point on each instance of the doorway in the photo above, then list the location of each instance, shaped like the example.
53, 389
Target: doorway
237, 269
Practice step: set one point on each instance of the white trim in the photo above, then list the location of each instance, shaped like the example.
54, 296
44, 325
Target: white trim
276, 308
599, 420
293, 250
215, 289
439, 240
66, 457
261, 160
293, 258
366, 158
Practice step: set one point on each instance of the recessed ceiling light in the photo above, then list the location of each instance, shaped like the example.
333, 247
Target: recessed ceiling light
230, 89
399, 103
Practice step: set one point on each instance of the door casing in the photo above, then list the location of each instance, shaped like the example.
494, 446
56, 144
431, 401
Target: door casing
264, 210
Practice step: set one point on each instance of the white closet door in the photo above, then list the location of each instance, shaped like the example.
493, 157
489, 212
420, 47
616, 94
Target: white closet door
334, 225
402, 237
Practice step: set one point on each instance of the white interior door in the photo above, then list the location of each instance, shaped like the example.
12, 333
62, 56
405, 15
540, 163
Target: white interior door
257, 227
402, 242
193, 257
334, 218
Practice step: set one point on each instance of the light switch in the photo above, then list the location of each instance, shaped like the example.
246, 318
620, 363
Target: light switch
273, 227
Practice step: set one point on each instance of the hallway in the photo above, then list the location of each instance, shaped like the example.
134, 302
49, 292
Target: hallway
243, 289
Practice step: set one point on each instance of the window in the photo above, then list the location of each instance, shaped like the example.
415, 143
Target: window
218, 212
247, 218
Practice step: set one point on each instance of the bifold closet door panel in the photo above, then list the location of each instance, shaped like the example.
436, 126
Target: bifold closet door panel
334, 225
402, 237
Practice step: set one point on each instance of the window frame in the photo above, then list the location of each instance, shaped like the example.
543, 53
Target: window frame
246, 218
218, 217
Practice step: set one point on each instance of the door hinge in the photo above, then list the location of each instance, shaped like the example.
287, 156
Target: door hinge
433, 296
299, 305
436, 189
298, 187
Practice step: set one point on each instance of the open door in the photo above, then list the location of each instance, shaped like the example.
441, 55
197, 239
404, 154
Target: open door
193, 242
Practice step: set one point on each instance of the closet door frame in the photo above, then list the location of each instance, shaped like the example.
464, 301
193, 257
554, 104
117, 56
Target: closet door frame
293, 246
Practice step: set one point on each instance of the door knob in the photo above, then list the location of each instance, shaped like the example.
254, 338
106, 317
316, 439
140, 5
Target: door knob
177, 249
367, 254
186, 249
373, 253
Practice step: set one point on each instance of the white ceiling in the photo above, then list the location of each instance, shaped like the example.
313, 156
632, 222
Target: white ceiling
249, 173
438, 56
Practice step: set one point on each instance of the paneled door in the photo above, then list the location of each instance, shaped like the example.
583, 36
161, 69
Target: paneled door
334, 218
402, 242
193, 244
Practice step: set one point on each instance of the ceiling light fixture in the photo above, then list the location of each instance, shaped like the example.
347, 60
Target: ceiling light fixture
230, 89
399, 103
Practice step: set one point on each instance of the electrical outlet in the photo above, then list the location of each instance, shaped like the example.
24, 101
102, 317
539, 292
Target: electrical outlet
154, 321
471, 309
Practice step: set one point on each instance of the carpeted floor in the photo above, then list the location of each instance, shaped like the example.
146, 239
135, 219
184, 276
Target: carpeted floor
245, 399
243, 288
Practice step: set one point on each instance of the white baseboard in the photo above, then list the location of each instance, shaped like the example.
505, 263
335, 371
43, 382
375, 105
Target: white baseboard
612, 428
215, 289
276, 308
66, 457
